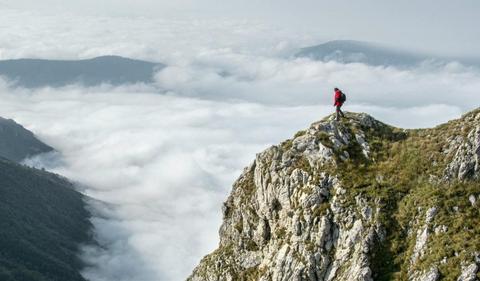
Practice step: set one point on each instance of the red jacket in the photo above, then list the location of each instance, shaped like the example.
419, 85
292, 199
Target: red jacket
338, 95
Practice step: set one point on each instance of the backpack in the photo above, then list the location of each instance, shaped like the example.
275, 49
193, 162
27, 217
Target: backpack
343, 97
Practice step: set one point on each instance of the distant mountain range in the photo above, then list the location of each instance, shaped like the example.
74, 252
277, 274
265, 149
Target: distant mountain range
349, 51
43, 220
115, 70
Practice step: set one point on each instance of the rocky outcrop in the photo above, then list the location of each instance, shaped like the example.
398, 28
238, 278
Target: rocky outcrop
422, 236
430, 275
338, 202
469, 273
465, 151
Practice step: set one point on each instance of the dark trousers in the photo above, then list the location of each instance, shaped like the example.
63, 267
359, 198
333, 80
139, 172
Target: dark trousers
339, 112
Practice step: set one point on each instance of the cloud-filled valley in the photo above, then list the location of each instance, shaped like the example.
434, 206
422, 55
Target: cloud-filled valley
159, 159
163, 164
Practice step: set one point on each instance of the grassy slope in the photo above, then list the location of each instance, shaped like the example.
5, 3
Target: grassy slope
405, 177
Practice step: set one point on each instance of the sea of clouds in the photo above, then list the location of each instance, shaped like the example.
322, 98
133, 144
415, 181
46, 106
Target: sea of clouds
157, 161
161, 165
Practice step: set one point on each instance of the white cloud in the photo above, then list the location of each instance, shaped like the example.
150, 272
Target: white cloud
227, 75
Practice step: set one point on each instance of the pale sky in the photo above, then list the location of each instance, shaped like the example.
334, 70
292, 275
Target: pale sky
438, 26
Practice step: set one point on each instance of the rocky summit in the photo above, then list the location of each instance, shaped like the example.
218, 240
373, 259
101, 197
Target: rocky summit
356, 199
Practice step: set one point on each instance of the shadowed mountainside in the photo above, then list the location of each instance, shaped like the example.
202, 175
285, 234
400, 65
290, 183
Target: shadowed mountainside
43, 220
17, 143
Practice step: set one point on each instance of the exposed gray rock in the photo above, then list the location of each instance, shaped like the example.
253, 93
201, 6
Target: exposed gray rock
422, 235
430, 215
431, 275
469, 273
420, 244
365, 146
441, 229
472, 200
466, 154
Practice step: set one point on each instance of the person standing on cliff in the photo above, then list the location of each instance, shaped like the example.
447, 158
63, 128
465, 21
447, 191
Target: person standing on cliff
339, 99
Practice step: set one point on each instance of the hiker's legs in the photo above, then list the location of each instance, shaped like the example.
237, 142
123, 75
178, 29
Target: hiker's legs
339, 112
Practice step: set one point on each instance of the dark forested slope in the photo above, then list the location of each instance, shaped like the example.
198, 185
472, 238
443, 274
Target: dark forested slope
17, 143
43, 221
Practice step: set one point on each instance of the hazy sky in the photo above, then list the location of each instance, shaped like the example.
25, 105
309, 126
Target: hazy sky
433, 25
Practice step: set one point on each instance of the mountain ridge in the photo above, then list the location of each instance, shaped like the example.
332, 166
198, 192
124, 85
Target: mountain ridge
18, 143
43, 218
352, 51
356, 200
115, 70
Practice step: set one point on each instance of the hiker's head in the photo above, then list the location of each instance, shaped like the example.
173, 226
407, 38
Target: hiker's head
336, 89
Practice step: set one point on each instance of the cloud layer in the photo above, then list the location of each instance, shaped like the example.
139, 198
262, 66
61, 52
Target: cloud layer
162, 165
413, 98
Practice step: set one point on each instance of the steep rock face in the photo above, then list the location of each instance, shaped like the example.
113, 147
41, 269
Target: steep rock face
465, 150
355, 200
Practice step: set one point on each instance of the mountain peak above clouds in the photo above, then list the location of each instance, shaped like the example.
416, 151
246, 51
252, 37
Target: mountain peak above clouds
355, 200
351, 51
